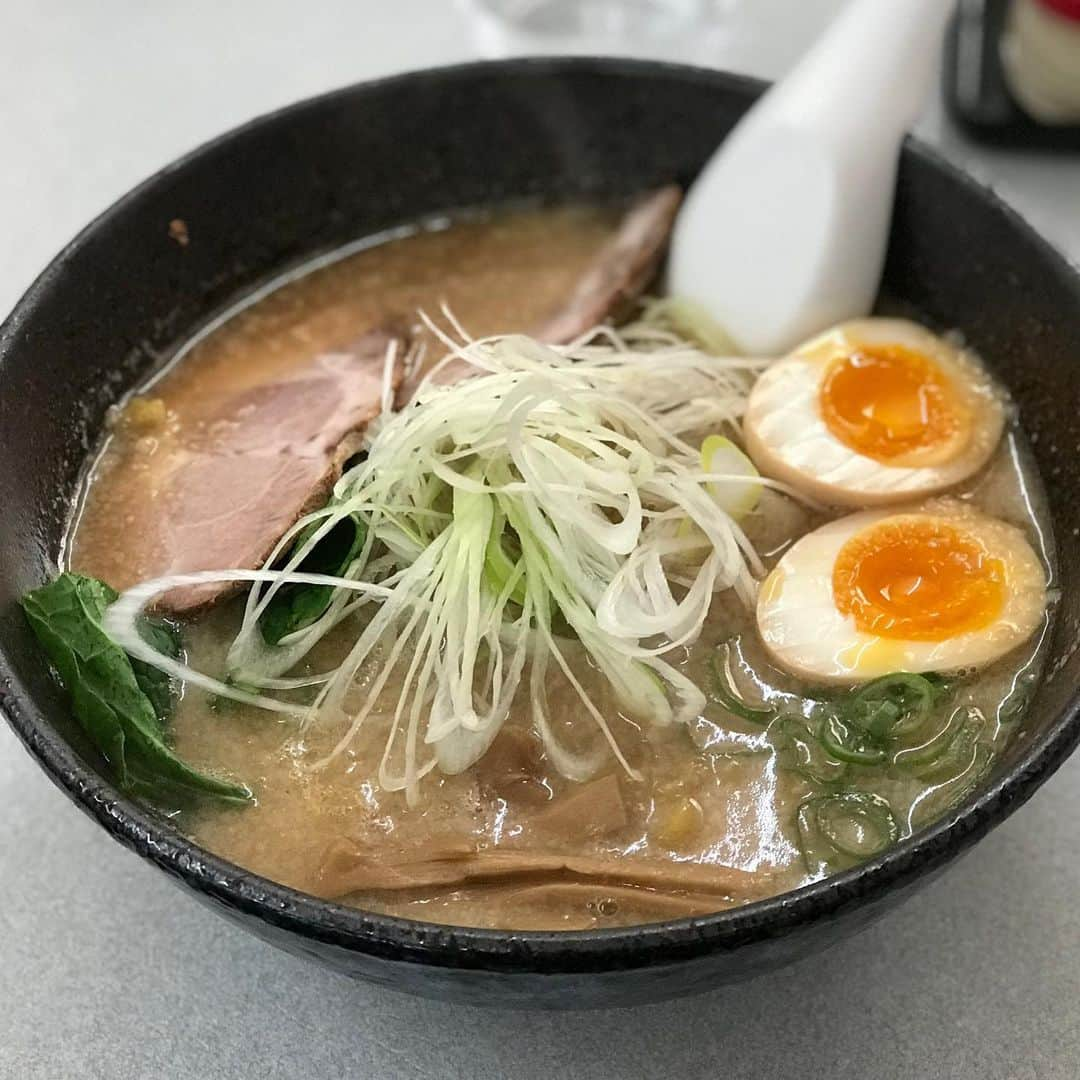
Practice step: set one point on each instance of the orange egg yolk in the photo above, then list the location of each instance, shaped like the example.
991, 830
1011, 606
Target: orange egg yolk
918, 579
886, 401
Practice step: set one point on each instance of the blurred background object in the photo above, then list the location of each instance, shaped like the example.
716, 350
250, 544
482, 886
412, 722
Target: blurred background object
588, 25
1041, 52
752, 36
1012, 72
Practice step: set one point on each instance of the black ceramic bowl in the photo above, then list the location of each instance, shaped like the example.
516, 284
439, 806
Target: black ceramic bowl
322, 173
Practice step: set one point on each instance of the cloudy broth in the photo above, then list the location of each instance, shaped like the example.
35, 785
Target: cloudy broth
712, 821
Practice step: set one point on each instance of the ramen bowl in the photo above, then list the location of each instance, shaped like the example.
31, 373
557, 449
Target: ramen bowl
314, 177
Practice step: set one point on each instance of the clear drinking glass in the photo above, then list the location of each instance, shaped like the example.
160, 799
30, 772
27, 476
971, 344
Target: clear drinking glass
600, 17
760, 37
671, 29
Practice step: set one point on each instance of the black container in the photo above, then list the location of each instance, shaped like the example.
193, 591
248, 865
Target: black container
354, 162
976, 89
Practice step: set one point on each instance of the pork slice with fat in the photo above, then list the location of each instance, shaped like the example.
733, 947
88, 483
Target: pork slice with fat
622, 269
261, 460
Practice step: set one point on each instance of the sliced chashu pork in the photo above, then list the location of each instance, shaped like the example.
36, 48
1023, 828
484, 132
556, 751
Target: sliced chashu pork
621, 271
272, 453
263, 458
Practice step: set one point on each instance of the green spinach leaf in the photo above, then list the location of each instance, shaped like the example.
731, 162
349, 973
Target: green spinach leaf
295, 606
153, 682
124, 720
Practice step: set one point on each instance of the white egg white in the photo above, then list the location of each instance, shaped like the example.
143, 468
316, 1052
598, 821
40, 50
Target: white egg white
807, 635
788, 439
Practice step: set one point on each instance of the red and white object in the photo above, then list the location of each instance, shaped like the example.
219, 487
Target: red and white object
1041, 54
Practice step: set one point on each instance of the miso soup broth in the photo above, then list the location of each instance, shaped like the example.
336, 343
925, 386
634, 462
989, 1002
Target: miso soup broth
564, 667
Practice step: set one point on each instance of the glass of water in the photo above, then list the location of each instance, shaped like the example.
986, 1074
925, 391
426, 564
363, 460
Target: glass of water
669, 29
761, 37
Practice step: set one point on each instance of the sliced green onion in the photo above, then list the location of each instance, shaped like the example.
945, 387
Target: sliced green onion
894, 705
689, 319
1017, 700
499, 568
724, 694
737, 707
878, 719
1013, 708
740, 490
841, 828
798, 751
846, 742
954, 757
962, 769
913, 756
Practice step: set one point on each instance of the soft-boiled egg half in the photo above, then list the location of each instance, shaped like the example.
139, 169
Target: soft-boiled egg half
871, 412
939, 588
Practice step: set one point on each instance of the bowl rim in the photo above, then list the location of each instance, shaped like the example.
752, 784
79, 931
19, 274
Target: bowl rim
469, 948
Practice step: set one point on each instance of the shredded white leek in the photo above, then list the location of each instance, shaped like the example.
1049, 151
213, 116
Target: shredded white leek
553, 490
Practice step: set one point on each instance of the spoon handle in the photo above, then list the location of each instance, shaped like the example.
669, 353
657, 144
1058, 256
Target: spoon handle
870, 71
784, 232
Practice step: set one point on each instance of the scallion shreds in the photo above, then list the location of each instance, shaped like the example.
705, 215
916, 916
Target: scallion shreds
544, 497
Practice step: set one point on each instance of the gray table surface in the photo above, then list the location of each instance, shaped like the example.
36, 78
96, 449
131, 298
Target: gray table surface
107, 970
